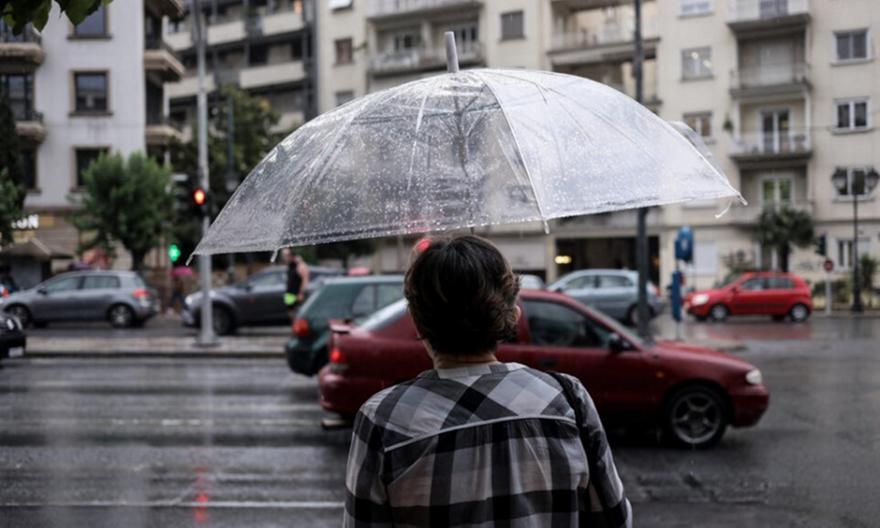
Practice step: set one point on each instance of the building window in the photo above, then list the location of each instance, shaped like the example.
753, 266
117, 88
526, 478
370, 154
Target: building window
258, 54
776, 190
296, 50
852, 45
344, 51
466, 37
852, 114
29, 169
512, 26
91, 92
855, 182
19, 90
696, 63
696, 7
406, 40
845, 251
84, 158
344, 97
94, 26
700, 122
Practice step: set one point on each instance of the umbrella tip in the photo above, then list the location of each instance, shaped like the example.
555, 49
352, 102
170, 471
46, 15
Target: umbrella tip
451, 53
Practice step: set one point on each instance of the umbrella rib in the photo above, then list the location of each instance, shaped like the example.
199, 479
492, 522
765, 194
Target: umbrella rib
412, 157
518, 153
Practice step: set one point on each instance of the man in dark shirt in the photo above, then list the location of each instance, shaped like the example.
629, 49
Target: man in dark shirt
297, 281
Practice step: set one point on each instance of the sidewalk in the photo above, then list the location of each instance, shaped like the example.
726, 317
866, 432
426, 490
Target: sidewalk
228, 347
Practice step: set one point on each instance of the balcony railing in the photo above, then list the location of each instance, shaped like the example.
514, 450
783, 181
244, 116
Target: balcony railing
755, 10
27, 35
380, 8
423, 58
759, 76
601, 36
751, 213
24, 113
789, 143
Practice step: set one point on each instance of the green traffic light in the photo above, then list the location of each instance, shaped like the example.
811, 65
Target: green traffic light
173, 252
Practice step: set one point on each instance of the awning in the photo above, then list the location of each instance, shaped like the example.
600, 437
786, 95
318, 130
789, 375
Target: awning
34, 248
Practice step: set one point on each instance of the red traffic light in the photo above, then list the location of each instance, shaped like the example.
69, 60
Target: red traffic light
199, 196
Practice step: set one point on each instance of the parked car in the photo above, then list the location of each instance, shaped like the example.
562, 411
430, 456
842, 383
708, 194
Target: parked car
259, 300
530, 282
691, 392
119, 297
12, 337
772, 293
611, 291
343, 299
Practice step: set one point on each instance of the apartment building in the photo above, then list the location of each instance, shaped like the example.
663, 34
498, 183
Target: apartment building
77, 92
781, 90
261, 46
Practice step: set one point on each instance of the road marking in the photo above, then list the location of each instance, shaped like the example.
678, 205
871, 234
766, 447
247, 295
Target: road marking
287, 505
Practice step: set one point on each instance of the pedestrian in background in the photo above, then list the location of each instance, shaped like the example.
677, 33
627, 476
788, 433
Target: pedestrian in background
477, 442
297, 282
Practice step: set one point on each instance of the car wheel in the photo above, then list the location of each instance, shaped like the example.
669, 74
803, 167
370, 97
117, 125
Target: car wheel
632, 315
719, 312
21, 313
120, 316
799, 313
223, 323
695, 417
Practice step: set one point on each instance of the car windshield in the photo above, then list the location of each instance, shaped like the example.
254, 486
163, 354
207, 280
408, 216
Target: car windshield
616, 327
728, 280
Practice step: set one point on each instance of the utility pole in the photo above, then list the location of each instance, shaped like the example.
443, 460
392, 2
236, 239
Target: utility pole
206, 332
641, 234
231, 176
857, 306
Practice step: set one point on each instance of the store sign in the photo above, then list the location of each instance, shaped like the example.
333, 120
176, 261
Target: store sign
28, 222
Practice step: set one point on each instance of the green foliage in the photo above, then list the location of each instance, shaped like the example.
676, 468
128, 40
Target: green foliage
19, 13
782, 227
11, 199
11, 192
867, 270
127, 201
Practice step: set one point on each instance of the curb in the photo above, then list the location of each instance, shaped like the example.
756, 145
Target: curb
163, 354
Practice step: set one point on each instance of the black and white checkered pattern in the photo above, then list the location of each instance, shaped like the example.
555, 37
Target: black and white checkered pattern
481, 446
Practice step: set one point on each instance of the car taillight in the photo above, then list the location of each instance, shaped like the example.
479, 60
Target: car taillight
301, 328
338, 362
141, 293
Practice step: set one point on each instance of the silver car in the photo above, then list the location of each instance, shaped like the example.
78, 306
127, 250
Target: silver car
614, 292
119, 297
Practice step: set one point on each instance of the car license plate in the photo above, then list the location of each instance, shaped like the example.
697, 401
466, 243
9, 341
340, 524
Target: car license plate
16, 352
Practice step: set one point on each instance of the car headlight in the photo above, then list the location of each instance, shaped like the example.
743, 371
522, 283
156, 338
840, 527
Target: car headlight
700, 298
754, 377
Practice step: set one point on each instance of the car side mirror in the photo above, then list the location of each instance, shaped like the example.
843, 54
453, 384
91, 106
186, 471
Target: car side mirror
558, 289
617, 344
42, 290
734, 289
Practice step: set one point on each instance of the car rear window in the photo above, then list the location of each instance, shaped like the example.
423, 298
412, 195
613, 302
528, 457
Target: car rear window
780, 283
614, 281
385, 316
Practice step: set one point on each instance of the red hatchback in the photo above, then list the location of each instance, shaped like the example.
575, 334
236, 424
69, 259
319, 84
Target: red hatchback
693, 393
772, 293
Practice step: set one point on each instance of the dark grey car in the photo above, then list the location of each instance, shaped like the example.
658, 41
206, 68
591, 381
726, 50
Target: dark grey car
259, 300
119, 297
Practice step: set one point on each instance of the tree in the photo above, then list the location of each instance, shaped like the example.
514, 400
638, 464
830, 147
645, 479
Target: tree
781, 228
19, 13
737, 263
11, 192
867, 269
126, 201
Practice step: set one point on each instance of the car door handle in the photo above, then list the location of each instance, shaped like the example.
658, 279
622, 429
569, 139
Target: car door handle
546, 363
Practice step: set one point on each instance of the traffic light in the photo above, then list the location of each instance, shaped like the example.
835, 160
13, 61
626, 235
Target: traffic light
200, 201
174, 253
822, 245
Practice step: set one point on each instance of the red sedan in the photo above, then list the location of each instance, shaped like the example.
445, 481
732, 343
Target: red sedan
693, 393
772, 293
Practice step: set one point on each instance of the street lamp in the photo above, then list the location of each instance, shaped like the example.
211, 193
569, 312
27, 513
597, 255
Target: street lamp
841, 182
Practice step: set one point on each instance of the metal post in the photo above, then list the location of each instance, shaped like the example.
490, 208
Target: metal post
206, 332
451, 53
857, 287
641, 232
679, 331
231, 176
827, 293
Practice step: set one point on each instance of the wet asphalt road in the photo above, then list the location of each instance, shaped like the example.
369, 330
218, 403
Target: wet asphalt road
162, 442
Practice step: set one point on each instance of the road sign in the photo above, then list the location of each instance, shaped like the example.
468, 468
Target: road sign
684, 244
828, 265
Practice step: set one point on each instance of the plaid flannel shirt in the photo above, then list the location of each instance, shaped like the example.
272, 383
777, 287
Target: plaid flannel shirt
481, 445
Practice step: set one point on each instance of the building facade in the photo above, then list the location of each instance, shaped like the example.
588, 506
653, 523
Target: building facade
782, 92
77, 92
261, 46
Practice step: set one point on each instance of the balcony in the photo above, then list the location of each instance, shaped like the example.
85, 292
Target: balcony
228, 29
188, 87
159, 58
583, 5
285, 73
750, 214
759, 150
29, 125
159, 132
382, 9
169, 8
770, 81
20, 50
765, 17
422, 59
606, 44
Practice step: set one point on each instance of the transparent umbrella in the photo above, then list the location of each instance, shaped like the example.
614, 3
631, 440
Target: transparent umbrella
464, 149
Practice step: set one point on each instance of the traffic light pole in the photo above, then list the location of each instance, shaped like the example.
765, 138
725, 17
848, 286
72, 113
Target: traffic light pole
206, 332
641, 234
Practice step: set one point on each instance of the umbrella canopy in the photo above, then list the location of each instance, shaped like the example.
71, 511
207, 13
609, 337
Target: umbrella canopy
462, 149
